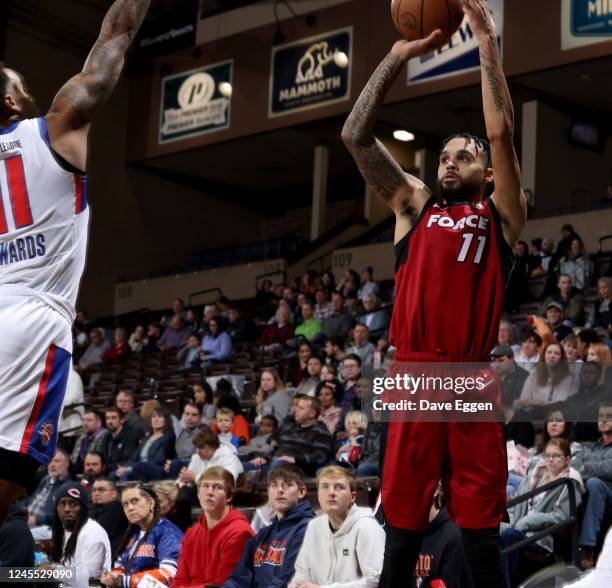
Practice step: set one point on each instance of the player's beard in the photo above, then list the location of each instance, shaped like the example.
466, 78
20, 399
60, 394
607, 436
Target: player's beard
461, 191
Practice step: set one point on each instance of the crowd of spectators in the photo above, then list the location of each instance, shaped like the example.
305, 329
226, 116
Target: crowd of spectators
131, 474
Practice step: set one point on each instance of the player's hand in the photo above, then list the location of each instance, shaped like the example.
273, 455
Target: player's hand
409, 49
480, 18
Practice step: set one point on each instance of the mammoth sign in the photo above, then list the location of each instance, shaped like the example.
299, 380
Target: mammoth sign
311, 72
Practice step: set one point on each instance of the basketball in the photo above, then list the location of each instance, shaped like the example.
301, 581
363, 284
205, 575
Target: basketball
417, 19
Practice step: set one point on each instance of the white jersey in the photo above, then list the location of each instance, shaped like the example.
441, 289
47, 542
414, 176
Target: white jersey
44, 217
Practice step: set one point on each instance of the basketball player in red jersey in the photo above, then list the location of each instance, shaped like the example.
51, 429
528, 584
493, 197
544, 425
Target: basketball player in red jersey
43, 236
453, 255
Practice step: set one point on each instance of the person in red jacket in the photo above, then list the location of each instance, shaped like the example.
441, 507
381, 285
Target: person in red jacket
211, 549
120, 349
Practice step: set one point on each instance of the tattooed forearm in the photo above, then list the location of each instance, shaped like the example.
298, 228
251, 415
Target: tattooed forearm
498, 107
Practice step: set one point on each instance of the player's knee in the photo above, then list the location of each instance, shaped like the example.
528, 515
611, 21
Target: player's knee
18, 469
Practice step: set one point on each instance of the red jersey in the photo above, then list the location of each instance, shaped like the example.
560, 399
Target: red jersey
450, 274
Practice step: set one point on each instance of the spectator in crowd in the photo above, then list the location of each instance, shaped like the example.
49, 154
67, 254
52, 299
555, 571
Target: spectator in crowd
370, 455
582, 408
269, 558
94, 438
328, 281
307, 443
368, 286
216, 345
192, 320
547, 509
150, 546
600, 353
312, 377
94, 466
77, 541
172, 507
156, 448
259, 445
126, 403
119, 350
322, 308
240, 328
529, 354
80, 341
240, 427
290, 299
209, 452
517, 291
310, 326
328, 372
190, 355
152, 339
212, 548
329, 394
122, 442
177, 308
570, 346
175, 335
308, 286
374, 319
339, 322
534, 249
334, 351
95, 350
16, 542
351, 372
203, 398
577, 264
265, 299
346, 543
277, 333
550, 381
184, 449
42, 502
547, 255
569, 298
442, 557
298, 363
601, 311
225, 424
137, 339
272, 397
512, 377
71, 421
361, 345
350, 447
350, 284
595, 466
586, 338
567, 236
555, 320
107, 511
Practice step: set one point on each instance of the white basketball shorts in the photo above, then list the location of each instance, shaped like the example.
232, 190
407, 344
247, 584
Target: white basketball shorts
35, 355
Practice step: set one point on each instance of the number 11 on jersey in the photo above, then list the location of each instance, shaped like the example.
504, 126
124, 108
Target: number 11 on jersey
18, 195
468, 238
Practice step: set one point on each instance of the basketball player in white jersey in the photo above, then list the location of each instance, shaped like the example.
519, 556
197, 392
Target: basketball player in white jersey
43, 237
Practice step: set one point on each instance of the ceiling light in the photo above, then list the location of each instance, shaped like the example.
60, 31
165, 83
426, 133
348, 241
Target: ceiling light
341, 59
401, 135
225, 88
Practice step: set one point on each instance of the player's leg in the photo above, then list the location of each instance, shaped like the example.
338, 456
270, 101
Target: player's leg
17, 474
476, 495
414, 454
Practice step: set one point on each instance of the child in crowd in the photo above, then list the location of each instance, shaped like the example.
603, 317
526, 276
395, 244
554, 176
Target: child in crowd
225, 422
328, 372
349, 451
259, 444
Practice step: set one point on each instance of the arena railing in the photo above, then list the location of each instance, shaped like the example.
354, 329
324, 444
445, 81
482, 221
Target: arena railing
202, 292
571, 521
269, 275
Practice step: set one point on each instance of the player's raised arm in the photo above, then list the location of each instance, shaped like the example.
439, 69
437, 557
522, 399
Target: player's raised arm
74, 106
403, 192
499, 119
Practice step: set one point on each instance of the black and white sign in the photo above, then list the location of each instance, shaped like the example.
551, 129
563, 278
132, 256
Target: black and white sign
196, 102
311, 73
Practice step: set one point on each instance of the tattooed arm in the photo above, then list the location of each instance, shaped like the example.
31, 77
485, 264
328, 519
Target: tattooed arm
404, 193
499, 119
73, 108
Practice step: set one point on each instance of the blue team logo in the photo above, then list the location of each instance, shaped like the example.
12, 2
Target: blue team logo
591, 18
45, 432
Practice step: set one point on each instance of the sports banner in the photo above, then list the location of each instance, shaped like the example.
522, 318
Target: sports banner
193, 102
585, 22
311, 73
459, 55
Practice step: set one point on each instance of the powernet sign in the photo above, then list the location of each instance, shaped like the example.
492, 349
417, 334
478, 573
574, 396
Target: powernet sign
459, 55
193, 102
585, 22
311, 73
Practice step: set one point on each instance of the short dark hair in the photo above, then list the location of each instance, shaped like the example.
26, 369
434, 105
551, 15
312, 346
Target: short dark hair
206, 438
271, 418
335, 340
193, 405
531, 334
113, 409
588, 336
95, 412
354, 357
99, 454
482, 144
315, 404
287, 473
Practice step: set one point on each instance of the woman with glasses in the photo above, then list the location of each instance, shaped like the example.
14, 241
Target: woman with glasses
545, 509
150, 548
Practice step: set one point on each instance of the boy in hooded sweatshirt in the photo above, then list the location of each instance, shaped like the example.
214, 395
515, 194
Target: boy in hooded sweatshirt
211, 549
269, 559
343, 548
